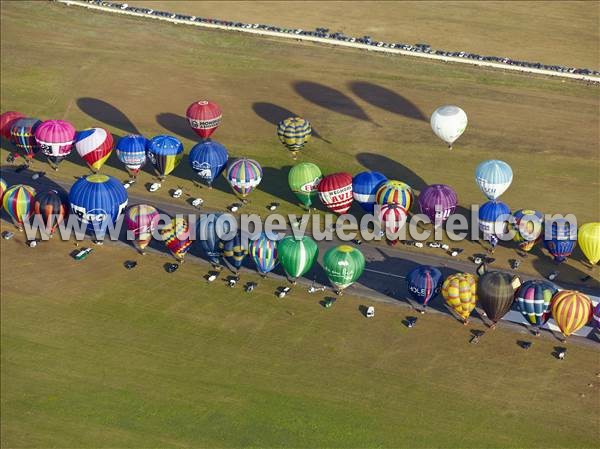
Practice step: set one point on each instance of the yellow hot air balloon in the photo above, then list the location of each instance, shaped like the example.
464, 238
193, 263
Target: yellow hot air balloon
571, 310
588, 238
460, 292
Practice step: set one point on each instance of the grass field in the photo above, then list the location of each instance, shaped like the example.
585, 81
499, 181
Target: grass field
98, 356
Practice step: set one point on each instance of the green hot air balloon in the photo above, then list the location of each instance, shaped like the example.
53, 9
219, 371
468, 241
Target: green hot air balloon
343, 266
303, 180
496, 292
296, 256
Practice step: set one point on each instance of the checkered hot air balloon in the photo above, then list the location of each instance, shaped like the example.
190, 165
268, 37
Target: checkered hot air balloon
141, 220
460, 293
571, 310
94, 145
7, 120
533, 299
18, 203
131, 151
392, 217
204, 117
335, 192
176, 236
264, 253
294, 132
22, 135
395, 192
55, 139
244, 175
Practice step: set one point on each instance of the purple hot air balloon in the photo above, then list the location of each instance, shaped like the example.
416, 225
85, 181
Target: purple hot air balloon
55, 138
438, 202
596, 319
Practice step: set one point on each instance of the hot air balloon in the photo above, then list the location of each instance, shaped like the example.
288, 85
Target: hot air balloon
210, 231
98, 201
438, 202
141, 220
571, 310
52, 207
294, 132
393, 218
7, 120
264, 253
364, 188
244, 175
424, 283
493, 178
343, 266
208, 159
234, 252
496, 293
395, 192
597, 316
55, 138
335, 192
131, 151
204, 117
460, 293
304, 179
560, 239
22, 135
18, 203
588, 238
94, 145
534, 298
493, 219
528, 226
448, 123
165, 154
176, 236
3, 188
296, 256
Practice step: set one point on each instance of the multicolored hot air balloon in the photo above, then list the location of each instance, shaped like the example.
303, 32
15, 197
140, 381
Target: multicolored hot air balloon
493, 178
460, 293
52, 207
528, 226
438, 202
364, 189
296, 256
210, 231
18, 203
496, 293
534, 298
208, 159
343, 266
304, 179
204, 117
596, 317
264, 253
494, 217
392, 217
560, 239
294, 132
588, 238
234, 252
335, 192
98, 201
571, 310
395, 192
176, 236
141, 221
3, 188
94, 145
424, 283
131, 151
7, 120
244, 175
448, 123
22, 135
165, 154
55, 138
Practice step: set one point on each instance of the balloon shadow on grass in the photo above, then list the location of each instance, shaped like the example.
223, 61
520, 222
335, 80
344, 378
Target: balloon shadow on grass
274, 114
391, 169
386, 99
277, 184
176, 124
106, 113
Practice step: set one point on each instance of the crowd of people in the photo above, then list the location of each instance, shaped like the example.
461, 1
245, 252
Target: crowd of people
325, 33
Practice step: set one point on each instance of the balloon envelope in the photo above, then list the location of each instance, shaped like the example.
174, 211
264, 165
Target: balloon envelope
533, 299
55, 139
493, 178
244, 175
264, 253
364, 189
588, 238
22, 135
460, 293
571, 310
395, 192
493, 219
3, 188
18, 203
304, 179
496, 292
234, 251
165, 154
204, 117
7, 120
294, 132
297, 256
561, 239
141, 220
52, 207
597, 316
528, 226
392, 217
438, 202
335, 192
176, 236
94, 145
424, 283
211, 228
208, 159
131, 151
343, 265
448, 123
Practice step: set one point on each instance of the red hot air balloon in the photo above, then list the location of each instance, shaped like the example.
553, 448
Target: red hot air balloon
335, 192
7, 120
204, 117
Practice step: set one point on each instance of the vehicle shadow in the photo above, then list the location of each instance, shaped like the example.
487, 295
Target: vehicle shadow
274, 114
386, 99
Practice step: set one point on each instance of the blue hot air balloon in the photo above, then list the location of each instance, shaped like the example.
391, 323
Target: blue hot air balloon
533, 299
208, 159
131, 150
165, 154
493, 219
97, 201
560, 238
234, 251
424, 283
364, 188
493, 178
264, 253
210, 229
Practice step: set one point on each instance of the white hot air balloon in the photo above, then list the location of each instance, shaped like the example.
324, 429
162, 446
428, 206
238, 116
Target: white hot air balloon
448, 123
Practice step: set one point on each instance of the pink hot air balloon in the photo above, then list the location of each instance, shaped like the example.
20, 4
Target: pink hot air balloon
438, 202
7, 120
55, 138
204, 117
335, 192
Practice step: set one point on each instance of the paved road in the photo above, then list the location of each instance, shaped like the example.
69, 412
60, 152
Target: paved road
386, 267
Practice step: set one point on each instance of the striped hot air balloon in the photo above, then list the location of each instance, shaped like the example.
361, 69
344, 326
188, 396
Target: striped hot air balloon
7, 120
244, 175
234, 252
571, 310
460, 293
131, 151
55, 139
18, 203
528, 226
204, 117
3, 188
493, 178
264, 253
364, 188
297, 255
423, 283
141, 220
52, 207
392, 217
533, 299
335, 192
22, 135
395, 192
588, 238
438, 202
176, 236
294, 132
165, 154
94, 145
